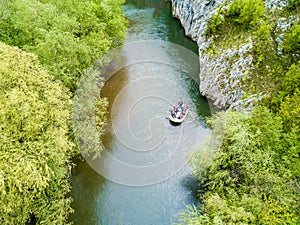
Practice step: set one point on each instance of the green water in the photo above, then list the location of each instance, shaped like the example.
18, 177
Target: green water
143, 87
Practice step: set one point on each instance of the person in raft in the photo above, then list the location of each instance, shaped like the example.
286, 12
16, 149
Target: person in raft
179, 112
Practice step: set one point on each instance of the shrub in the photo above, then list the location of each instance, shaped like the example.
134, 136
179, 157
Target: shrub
215, 23
294, 4
246, 13
291, 43
251, 179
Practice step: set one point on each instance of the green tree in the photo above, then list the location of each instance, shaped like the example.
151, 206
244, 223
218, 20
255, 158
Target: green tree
251, 179
294, 4
252, 176
68, 36
35, 150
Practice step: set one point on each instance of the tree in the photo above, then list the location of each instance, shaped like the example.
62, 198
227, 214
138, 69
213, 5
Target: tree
35, 151
68, 36
251, 179
248, 171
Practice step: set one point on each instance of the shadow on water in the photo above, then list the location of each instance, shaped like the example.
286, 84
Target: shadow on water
174, 124
87, 184
201, 103
190, 183
169, 28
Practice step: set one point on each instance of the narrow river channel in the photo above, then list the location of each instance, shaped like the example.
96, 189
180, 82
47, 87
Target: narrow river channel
99, 201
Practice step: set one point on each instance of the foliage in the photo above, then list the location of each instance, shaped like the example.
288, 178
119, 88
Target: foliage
246, 13
275, 74
68, 36
89, 114
241, 14
251, 179
232, 25
290, 111
243, 21
291, 81
292, 40
35, 151
294, 4
215, 23
269, 67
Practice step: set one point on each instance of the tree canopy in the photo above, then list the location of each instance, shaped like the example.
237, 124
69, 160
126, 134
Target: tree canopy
64, 38
253, 176
67, 35
35, 150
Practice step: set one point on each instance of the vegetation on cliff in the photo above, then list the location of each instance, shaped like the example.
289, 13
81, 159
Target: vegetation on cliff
275, 48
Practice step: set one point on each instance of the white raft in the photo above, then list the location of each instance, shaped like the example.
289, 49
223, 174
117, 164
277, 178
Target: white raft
176, 119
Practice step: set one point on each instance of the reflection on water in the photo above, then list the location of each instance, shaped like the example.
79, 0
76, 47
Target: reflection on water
145, 137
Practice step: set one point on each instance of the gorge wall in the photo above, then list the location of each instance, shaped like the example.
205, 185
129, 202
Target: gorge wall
194, 16
221, 72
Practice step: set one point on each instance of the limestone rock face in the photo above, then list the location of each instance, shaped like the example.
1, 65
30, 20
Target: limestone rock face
194, 16
220, 72
214, 84
221, 75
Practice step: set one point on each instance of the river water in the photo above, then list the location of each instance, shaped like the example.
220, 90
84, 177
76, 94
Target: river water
144, 138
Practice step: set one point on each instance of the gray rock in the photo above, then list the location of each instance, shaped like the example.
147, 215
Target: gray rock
275, 4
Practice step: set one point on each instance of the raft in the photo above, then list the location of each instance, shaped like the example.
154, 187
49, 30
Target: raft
178, 114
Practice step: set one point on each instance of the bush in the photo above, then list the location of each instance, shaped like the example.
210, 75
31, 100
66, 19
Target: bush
290, 111
291, 43
215, 23
246, 13
294, 4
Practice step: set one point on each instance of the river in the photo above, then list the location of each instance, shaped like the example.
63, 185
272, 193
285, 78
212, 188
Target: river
138, 89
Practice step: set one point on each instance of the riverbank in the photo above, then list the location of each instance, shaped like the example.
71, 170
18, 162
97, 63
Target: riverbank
249, 56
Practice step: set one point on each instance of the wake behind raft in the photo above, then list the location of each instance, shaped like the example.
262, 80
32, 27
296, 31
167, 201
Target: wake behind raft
178, 113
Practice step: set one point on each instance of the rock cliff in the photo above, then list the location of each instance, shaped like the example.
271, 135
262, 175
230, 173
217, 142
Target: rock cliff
222, 71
